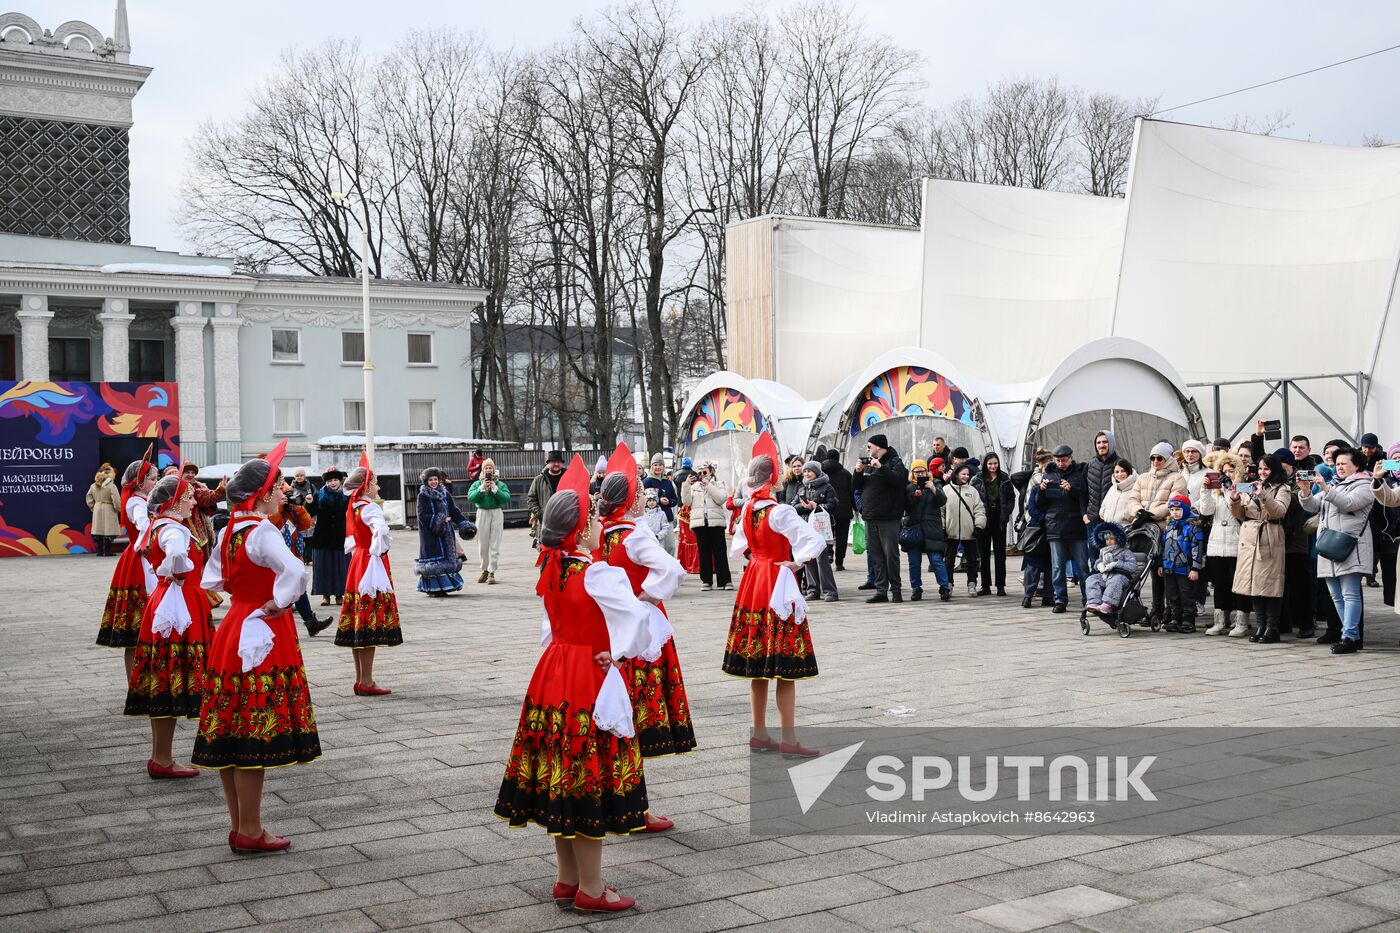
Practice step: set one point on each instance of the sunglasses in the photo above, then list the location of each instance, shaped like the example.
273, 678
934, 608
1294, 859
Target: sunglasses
1155, 457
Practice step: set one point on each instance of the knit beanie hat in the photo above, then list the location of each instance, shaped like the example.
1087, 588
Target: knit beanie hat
879, 440
814, 466
1284, 455
1180, 500
922, 465
657, 458
959, 453
1163, 450
1195, 445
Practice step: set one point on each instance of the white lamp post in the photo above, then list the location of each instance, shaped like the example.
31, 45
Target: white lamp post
341, 198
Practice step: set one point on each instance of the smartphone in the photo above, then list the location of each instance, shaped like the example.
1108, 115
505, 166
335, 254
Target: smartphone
1246, 489
1307, 475
1212, 479
1273, 430
1391, 465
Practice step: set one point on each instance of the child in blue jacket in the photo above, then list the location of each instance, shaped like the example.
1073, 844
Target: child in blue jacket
1183, 554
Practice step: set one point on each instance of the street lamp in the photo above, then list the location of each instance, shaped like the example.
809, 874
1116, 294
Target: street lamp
342, 200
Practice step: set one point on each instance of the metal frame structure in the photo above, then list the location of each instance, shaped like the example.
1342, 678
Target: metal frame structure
1283, 388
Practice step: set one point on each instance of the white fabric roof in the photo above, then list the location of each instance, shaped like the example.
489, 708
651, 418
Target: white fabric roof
1033, 270
841, 291
1229, 231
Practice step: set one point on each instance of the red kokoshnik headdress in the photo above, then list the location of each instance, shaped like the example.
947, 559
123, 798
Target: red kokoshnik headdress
129, 489
575, 480
175, 497
765, 447
369, 477
622, 461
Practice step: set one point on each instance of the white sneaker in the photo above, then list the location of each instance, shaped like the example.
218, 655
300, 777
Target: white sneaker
1220, 624
704, 587
1241, 621
972, 591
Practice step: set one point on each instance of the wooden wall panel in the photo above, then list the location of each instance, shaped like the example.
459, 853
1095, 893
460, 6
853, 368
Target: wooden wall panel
749, 298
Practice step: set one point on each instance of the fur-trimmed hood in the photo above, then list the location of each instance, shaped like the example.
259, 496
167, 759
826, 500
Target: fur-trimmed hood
1229, 464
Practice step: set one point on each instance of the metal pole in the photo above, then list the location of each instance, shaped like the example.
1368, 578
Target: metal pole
1215, 390
369, 358
1287, 432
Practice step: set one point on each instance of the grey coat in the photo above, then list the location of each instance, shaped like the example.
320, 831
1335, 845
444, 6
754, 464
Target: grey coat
1345, 507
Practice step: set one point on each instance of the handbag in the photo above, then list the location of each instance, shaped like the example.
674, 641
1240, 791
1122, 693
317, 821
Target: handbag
820, 522
1335, 545
857, 535
1029, 538
911, 538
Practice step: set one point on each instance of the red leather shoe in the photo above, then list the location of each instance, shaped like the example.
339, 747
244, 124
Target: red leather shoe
170, 771
659, 824
231, 834
795, 750
371, 690
564, 895
244, 845
600, 905
762, 745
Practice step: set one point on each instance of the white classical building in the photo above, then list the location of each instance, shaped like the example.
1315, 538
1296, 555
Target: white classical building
257, 358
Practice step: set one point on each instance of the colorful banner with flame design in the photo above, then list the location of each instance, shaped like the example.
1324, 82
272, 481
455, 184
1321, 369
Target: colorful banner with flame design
911, 390
725, 410
53, 438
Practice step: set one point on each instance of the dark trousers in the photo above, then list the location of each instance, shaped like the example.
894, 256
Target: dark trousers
303, 606
882, 538
104, 545
1180, 592
1221, 571
1387, 559
969, 552
1299, 584
841, 531
991, 549
714, 562
1268, 610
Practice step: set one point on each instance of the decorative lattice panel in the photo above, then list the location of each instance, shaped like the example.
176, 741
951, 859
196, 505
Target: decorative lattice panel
69, 180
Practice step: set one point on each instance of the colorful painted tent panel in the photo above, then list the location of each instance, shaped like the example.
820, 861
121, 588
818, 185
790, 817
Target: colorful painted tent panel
725, 410
910, 390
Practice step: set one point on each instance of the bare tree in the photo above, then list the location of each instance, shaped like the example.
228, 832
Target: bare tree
846, 88
260, 187
1105, 132
1266, 125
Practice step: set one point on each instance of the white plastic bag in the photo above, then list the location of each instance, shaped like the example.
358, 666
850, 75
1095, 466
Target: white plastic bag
820, 522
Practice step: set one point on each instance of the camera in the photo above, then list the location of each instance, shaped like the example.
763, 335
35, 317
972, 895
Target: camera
1273, 430
1308, 475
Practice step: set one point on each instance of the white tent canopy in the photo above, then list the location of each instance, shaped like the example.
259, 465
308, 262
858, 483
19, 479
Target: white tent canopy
910, 394
1251, 256
1028, 275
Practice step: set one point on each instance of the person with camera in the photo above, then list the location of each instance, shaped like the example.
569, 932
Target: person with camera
1385, 484
880, 476
490, 494
706, 495
1344, 541
922, 536
844, 509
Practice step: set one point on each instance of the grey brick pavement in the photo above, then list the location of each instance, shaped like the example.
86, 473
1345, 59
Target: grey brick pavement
393, 827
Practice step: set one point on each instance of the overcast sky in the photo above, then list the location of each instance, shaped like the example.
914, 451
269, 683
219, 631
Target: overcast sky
208, 56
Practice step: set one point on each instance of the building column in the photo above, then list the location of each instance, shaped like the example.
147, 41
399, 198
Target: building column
34, 316
228, 413
116, 319
188, 323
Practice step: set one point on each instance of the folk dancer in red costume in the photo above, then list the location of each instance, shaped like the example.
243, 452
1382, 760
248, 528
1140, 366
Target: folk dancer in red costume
132, 580
167, 680
257, 704
768, 632
575, 766
369, 618
659, 704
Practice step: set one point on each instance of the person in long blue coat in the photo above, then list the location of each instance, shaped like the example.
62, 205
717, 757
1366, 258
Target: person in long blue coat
329, 562
440, 554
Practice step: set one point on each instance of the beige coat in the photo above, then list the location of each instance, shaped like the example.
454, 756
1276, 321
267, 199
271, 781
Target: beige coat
105, 501
706, 503
1259, 571
1153, 491
962, 522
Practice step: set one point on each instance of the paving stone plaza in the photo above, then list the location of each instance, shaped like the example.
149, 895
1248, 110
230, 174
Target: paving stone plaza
393, 828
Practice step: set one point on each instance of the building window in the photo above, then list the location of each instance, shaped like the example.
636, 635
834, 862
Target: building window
147, 360
420, 349
354, 416
70, 359
422, 416
286, 345
286, 416
352, 346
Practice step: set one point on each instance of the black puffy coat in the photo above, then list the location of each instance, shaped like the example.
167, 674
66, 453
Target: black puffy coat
1006, 498
882, 488
841, 482
925, 508
1098, 474
1064, 511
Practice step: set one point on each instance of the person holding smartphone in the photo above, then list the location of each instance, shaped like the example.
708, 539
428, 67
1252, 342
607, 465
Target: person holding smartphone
490, 494
1344, 507
1385, 485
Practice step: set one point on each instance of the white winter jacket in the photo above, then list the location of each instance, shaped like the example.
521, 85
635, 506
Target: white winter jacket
1225, 529
1114, 507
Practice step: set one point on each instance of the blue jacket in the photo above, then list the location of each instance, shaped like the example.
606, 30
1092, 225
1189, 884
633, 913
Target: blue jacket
1183, 545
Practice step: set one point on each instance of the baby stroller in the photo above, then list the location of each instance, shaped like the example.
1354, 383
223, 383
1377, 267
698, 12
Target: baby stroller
1143, 540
